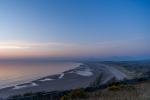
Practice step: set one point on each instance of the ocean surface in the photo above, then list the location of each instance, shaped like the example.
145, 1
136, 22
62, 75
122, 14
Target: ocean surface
17, 73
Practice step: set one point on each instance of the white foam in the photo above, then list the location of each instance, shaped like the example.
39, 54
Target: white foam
61, 75
34, 84
19, 87
86, 72
46, 79
24, 86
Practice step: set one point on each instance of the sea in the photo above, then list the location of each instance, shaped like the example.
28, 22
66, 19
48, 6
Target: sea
15, 73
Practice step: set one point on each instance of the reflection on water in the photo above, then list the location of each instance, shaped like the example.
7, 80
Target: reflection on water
16, 73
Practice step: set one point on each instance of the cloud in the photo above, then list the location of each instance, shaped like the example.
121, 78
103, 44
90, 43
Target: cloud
103, 48
27, 45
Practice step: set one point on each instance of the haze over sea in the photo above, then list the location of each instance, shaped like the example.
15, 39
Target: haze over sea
21, 72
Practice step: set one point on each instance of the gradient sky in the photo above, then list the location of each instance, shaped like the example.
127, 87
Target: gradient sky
74, 28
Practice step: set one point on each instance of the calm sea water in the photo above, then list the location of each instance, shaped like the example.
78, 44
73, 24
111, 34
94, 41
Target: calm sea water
18, 73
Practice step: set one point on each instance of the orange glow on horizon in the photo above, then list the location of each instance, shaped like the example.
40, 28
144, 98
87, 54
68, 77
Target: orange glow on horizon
52, 49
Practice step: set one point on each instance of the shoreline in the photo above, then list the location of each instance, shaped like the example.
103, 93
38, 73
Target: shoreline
12, 84
79, 77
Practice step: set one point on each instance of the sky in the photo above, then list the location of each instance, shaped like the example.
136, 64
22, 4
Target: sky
74, 28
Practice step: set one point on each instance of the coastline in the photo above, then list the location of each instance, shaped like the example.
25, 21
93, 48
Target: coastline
79, 77
15, 83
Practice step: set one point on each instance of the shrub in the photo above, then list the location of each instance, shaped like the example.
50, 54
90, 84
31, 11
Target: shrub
79, 93
65, 97
114, 88
75, 94
119, 86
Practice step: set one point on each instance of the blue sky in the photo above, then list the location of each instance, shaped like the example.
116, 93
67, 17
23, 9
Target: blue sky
75, 27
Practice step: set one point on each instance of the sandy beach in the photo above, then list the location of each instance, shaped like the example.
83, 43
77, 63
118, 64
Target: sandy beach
79, 77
